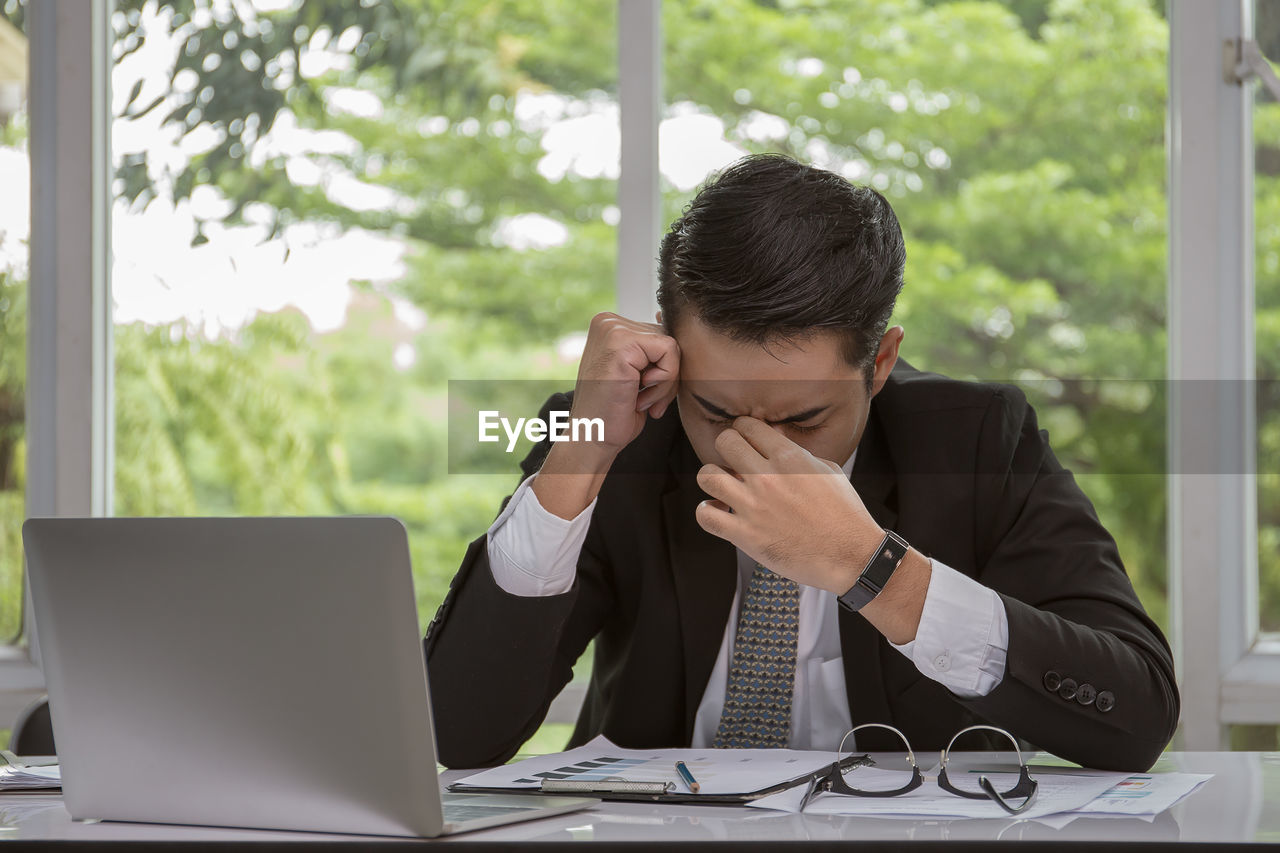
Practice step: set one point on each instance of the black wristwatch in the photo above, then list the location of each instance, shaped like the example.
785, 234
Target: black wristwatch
886, 559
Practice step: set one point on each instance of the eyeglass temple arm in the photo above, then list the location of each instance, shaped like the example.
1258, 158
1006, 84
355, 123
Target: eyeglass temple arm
824, 779
818, 783
1026, 787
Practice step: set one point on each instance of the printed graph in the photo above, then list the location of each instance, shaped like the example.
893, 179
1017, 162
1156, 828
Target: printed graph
1133, 788
607, 767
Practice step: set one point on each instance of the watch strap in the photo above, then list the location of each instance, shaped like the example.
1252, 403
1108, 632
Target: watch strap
875, 576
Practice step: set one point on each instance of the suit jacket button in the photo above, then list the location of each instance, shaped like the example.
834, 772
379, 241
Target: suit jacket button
1052, 681
1068, 689
1086, 694
1106, 701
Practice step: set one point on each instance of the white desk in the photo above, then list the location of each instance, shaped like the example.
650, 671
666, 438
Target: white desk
1240, 805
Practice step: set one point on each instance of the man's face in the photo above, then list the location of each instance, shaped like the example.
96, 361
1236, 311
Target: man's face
803, 389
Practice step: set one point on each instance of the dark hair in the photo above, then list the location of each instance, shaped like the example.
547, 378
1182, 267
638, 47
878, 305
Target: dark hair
771, 249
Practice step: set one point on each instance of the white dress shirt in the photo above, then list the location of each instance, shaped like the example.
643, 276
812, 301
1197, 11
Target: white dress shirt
961, 643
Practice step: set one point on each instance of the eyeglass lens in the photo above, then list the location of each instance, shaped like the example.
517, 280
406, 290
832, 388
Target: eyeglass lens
887, 776
971, 776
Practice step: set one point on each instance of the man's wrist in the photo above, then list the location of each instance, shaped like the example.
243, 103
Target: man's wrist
589, 458
895, 611
854, 554
571, 477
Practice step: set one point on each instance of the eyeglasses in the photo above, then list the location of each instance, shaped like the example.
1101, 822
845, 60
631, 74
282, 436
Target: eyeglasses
835, 779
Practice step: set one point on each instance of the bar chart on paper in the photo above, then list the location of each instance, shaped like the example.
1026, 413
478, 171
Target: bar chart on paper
718, 771
606, 767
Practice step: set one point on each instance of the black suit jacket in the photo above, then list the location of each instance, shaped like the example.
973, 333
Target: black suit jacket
960, 470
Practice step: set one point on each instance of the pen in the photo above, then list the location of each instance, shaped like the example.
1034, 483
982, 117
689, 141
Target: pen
687, 776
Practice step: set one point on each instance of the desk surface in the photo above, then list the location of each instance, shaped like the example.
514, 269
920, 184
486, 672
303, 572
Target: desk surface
1240, 805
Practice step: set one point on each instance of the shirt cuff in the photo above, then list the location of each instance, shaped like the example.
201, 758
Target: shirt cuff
533, 552
963, 639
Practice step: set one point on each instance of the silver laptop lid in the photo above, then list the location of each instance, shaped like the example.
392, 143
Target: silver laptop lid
254, 672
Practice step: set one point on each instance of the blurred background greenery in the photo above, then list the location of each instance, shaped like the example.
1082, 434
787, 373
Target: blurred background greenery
1021, 142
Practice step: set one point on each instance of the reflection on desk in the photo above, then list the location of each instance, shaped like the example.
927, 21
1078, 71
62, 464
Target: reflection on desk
1241, 804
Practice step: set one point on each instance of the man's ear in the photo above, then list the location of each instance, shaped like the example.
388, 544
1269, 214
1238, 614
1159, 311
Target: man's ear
886, 357
658, 317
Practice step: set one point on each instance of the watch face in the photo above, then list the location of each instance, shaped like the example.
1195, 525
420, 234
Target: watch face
877, 573
881, 568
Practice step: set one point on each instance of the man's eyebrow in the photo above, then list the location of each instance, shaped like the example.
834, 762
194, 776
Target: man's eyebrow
800, 417
713, 409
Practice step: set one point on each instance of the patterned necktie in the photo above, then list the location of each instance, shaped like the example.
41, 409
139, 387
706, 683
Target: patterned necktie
757, 699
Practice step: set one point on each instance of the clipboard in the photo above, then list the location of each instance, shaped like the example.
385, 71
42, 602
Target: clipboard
625, 791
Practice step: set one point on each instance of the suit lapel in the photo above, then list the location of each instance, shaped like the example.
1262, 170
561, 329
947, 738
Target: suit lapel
874, 477
874, 480
704, 569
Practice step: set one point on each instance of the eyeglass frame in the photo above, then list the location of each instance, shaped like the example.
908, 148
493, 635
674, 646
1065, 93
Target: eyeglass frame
831, 780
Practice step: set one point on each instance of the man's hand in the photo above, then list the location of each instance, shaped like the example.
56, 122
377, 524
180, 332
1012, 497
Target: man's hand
800, 517
627, 373
790, 511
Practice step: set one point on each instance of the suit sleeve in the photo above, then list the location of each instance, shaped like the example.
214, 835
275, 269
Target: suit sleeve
495, 661
1073, 615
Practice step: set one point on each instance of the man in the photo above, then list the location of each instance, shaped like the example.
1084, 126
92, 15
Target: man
727, 544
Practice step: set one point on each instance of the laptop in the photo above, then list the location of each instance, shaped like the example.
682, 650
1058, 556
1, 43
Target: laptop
246, 672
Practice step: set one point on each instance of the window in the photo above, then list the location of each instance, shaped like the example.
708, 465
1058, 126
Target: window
1266, 282
324, 213
15, 202
1227, 669
1022, 146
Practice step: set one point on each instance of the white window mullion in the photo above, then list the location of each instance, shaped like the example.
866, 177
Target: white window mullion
1212, 431
68, 407
639, 192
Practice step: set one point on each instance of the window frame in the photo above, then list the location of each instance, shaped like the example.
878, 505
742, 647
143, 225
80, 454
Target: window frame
1212, 483
69, 423
640, 225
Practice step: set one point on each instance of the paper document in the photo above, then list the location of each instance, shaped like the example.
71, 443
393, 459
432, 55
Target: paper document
1146, 793
718, 771
1141, 796
20, 777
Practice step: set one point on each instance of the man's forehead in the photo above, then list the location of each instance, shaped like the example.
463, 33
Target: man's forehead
710, 355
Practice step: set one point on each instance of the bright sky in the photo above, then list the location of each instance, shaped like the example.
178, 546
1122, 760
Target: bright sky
158, 277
